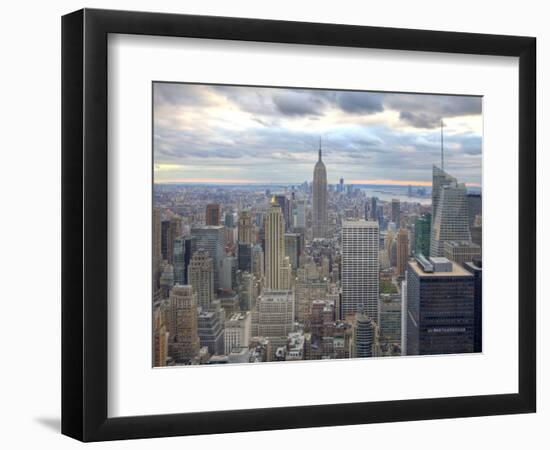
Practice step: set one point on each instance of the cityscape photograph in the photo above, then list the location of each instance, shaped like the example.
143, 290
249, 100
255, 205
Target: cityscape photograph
295, 224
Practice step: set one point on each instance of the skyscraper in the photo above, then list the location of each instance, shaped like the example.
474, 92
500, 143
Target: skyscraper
183, 324
164, 233
228, 273
300, 214
396, 212
474, 216
211, 331
402, 252
284, 204
475, 268
286, 274
258, 267
390, 319
450, 212
213, 214
201, 277
245, 227
440, 307
422, 234
474, 207
320, 214
211, 239
360, 265
274, 246
167, 280
229, 219
175, 231
374, 209
244, 254
190, 243
157, 246
178, 258
293, 248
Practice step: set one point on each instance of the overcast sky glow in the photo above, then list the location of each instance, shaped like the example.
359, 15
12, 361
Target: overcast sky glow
239, 134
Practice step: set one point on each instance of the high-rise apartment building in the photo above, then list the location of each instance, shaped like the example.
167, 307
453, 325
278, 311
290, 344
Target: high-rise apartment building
320, 212
360, 266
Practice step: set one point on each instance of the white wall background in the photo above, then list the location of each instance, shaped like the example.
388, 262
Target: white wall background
30, 225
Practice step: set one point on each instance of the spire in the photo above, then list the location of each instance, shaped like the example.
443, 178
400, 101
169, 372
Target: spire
319, 148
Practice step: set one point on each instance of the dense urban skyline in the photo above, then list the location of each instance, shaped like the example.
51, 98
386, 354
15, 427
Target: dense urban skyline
245, 135
268, 271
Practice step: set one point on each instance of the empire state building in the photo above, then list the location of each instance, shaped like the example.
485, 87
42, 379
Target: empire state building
320, 217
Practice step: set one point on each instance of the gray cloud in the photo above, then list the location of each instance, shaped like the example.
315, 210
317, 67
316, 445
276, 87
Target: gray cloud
360, 102
297, 103
273, 145
426, 111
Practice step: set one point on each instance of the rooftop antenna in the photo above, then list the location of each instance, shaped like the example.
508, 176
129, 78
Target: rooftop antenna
442, 145
319, 148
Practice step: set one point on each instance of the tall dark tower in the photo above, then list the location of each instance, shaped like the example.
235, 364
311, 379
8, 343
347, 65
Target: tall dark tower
320, 216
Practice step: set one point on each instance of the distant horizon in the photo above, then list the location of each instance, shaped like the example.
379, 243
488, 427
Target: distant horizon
282, 183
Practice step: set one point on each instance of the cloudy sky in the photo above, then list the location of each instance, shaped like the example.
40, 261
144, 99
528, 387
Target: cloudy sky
240, 134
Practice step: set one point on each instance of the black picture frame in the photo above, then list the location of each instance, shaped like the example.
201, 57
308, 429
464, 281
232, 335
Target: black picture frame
84, 224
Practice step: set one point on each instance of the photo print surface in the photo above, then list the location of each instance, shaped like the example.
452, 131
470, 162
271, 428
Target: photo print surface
294, 224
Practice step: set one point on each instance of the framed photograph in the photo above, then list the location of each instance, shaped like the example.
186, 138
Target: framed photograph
272, 224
